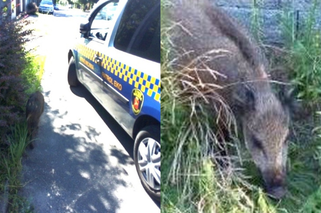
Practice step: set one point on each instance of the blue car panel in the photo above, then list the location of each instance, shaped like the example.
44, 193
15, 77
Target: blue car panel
120, 65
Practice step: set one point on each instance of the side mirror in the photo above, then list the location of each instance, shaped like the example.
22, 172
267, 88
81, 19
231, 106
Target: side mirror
85, 29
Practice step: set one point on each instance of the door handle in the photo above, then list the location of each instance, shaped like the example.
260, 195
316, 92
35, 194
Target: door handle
98, 59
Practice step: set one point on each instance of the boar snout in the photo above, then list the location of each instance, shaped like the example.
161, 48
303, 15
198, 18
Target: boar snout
275, 184
276, 192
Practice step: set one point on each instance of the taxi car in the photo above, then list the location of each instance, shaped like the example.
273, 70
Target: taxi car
117, 58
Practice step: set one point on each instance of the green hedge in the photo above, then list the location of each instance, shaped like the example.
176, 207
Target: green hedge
13, 60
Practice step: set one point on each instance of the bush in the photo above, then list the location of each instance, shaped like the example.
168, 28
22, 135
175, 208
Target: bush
20, 75
304, 58
12, 63
32, 8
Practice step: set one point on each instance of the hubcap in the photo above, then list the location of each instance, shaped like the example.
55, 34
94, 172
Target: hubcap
149, 161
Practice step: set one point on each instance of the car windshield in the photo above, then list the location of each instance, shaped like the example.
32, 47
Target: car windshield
46, 2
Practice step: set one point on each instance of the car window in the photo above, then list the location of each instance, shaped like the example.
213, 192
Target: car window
46, 2
102, 20
139, 29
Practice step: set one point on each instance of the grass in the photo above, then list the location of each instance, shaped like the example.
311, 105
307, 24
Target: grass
193, 179
12, 152
304, 55
10, 164
33, 72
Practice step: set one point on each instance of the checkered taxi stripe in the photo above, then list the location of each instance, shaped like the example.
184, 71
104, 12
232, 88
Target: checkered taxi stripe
86, 52
146, 83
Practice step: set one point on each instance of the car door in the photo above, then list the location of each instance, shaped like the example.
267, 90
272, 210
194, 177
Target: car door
90, 48
130, 63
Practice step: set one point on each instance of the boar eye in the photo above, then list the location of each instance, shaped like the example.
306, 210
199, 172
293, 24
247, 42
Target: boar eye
257, 143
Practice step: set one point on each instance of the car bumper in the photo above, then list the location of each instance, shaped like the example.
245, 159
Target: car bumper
46, 10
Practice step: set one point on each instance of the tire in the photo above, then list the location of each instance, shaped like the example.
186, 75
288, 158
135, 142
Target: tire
147, 152
72, 75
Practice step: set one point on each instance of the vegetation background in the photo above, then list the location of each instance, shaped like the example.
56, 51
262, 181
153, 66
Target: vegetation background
20, 75
192, 181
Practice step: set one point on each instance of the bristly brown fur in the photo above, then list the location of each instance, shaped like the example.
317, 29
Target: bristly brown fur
216, 57
231, 30
34, 109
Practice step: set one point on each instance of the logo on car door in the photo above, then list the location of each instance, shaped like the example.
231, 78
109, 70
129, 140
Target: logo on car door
137, 101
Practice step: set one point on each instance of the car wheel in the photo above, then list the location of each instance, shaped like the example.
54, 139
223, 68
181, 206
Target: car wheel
72, 75
147, 157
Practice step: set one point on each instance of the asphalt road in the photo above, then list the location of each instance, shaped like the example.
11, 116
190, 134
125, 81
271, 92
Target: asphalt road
82, 160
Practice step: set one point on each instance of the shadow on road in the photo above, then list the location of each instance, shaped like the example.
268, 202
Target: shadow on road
63, 174
70, 171
126, 141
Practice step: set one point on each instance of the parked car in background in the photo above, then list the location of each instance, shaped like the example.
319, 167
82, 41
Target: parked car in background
46, 6
117, 58
57, 7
